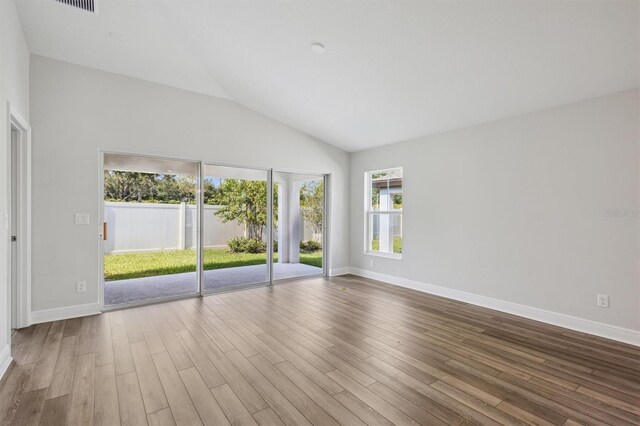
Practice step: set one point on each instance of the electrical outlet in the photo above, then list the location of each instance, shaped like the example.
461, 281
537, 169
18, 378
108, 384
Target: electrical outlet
370, 263
603, 301
81, 286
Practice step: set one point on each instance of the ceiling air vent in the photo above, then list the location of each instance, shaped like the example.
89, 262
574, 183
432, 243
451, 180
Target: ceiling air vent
88, 5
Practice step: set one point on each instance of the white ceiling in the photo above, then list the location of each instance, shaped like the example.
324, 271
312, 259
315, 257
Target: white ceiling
392, 70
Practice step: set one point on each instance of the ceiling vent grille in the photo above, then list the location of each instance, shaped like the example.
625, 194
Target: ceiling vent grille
88, 5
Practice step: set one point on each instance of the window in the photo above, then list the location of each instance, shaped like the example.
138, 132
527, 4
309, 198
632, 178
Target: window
383, 210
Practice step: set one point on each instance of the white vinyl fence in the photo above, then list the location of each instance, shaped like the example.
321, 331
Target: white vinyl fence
152, 227
133, 227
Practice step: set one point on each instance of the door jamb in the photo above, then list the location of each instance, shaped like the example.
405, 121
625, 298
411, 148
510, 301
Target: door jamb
23, 296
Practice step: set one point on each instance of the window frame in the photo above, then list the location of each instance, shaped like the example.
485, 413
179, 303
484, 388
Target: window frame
369, 212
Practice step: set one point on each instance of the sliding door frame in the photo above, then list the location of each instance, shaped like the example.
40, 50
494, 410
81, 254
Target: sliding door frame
200, 230
269, 257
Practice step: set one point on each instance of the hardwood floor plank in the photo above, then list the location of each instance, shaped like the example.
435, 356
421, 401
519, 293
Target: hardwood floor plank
87, 335
54, 411
268, 417
30, 408
149, 330
62, 378
107, 410
174, 347
180, 403
301, 364
206, 405
150, 387
130, 400
281, 405
404, 405
73, 327
329, 404
32, 350
371, 399
361, 409
43, 371
523, 415
242, 388
104, 341
81, 402
312, 411
201, 361
161, 418
13, 391
121, 349
475, 403
131, 324
233, 408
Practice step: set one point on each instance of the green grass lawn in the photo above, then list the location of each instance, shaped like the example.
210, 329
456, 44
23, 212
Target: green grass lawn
148, 264
397, 245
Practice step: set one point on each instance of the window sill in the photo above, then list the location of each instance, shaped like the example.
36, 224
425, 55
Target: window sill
385, 255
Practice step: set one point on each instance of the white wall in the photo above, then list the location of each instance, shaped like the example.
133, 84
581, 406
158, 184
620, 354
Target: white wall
516, 209
76, 111
14, 87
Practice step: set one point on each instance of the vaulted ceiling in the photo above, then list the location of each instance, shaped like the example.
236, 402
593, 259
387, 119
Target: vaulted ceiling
391, 70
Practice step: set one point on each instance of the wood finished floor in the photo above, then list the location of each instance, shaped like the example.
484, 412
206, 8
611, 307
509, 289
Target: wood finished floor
346, 351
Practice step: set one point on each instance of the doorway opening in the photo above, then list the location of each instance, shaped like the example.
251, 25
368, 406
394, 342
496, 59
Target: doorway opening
299, 212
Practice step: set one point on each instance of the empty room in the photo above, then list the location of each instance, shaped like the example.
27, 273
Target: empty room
204, 220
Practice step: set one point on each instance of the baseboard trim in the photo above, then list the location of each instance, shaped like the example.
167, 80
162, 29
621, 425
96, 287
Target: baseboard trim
339, 271
612, 332
5, 360
67, 312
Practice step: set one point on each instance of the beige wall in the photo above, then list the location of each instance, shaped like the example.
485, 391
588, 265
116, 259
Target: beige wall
516, 209
14, 87
78, 111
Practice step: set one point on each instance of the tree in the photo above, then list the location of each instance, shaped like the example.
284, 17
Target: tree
243, 201
312, 204
128, 186
148, 187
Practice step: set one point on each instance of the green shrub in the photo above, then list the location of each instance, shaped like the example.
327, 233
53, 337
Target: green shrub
310, 246
246, 245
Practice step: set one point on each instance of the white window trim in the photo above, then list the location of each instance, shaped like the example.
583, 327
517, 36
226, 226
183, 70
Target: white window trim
368, 213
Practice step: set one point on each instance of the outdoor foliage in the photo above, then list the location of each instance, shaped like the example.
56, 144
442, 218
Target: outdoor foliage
150, 264
245, 202
310, 246
148, 187
311, 204
154, 188
246, 245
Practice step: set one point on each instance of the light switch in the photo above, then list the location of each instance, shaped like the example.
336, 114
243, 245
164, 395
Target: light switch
82, 218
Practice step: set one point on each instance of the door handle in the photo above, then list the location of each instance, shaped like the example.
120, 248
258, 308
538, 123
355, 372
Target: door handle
104, 231
14, 238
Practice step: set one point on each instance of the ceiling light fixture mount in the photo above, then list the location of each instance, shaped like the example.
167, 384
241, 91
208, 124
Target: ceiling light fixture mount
317, 47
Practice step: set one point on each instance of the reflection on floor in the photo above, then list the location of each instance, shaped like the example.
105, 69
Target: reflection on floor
149, 288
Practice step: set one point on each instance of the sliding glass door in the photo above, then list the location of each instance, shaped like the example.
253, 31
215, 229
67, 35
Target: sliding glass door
176, 228
150, 232
234, 227
299, 223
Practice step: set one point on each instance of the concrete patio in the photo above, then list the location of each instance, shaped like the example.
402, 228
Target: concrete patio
163, 286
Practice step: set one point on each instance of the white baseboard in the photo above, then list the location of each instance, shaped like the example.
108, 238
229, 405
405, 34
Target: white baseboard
578, 324
56, 314
5, 359
339, 271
